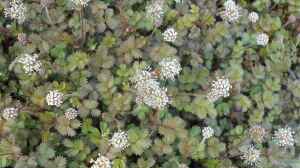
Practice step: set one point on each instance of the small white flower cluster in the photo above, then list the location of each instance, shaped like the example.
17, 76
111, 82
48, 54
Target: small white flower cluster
101, 162
71, 113
169, 68
81, 3
253, 17
54, 98
207, 132
284, 137
220, 88
147, 86
257, 133
231, 11
170, 35
119, 140
30, 63
262, 39
155, 11
16, 10
150, 93
251, 156
10, 113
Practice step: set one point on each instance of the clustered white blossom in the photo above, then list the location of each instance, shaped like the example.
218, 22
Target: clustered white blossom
149, 91
170, 35
207, 132
253, 17
219, 88
169, 68
251, 156
16, 10
30, 63
82, 3
10, 113
71, 113
155, 11
101, 162
54, 98
119, 140
262, 39
284, 137
257, 133
231, 11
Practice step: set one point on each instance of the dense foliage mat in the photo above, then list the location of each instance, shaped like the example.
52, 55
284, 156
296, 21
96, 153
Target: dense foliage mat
149, 84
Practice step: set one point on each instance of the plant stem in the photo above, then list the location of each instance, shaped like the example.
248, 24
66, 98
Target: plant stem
48, 16
82, 25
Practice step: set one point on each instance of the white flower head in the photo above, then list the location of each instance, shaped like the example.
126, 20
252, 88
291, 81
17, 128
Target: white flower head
30, 63
54, 98
262, 39
71, 113
251, 156
257, 133
10, 113
16, 10
80, 3
169, 68
119, 140
207, 132
219, 88
141, 76
231, 12
148, 90
284, 137
101, 162
155, 11
253, 17
170, 35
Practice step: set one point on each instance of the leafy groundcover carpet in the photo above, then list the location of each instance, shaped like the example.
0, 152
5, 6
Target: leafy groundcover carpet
149, 84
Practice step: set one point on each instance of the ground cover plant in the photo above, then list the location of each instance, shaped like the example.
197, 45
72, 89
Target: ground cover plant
149, 84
